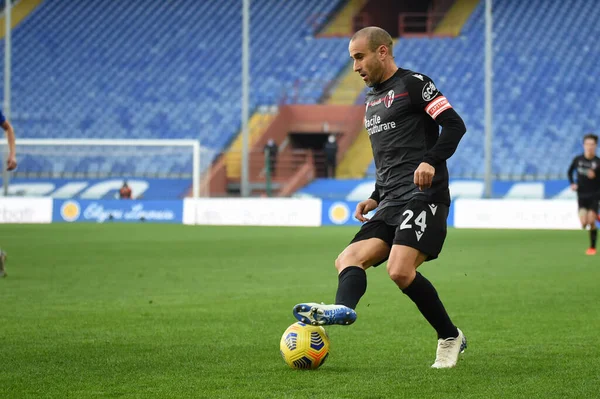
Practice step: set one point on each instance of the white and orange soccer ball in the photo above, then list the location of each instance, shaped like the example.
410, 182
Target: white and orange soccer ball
304, 346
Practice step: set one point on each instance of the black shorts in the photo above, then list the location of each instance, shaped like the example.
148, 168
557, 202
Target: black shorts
417, 224
589, 203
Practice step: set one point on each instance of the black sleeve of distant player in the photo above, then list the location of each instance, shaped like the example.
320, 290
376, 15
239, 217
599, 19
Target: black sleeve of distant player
571, 170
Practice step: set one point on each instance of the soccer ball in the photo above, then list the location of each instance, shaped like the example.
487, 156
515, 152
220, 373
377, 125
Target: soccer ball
304, 346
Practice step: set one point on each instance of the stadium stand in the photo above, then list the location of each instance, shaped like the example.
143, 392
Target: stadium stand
172, 70
108, 69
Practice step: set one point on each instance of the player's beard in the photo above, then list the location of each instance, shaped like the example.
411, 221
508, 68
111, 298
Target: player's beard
375, 73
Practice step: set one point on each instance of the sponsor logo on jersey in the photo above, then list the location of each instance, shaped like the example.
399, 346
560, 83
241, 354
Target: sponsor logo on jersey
374, 125
388, 98
429, 91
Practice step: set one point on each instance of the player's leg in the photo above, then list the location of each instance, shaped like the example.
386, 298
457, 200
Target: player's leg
351, 265
370, 247
402, 269
585, 205
591, 221
420, 237
583, 218
2, 263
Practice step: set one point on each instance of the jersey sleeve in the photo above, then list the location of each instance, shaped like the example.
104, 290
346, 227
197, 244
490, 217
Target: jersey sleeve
2, 118
425, 96
571, 170
376, 195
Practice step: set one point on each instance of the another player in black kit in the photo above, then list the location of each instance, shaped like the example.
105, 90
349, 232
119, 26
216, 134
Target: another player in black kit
587, 187
404, 110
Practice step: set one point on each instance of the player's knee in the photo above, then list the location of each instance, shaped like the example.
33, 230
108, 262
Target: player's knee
343, 261
588, 222
402, 274
346, 259
338, 263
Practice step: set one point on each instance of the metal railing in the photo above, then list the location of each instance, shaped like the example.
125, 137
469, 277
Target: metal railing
295, 93
418, 23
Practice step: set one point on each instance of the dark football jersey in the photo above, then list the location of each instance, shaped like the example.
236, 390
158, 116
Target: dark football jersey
586, 187
400, 119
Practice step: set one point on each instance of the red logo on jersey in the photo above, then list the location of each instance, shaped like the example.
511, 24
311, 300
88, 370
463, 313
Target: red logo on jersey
388, 99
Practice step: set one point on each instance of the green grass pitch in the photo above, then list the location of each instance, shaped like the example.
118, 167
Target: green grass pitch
154, 311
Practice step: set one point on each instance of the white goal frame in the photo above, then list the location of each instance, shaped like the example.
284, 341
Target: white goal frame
194, 144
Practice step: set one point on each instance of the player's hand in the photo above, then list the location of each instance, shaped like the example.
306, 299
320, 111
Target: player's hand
574, 187
424, 175
591, 174
363, 208
11, 162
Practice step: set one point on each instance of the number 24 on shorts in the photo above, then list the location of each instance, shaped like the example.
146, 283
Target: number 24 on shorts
420, 220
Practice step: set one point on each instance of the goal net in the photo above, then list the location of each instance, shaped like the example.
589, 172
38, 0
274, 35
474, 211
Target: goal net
76, 159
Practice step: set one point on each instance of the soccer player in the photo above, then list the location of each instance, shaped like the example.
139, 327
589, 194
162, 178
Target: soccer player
11, 164
587, 187
404, 110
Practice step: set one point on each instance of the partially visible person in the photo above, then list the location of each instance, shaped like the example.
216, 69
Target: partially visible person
2, 263
125, 191
587, 186
11, 161
270, 151
11, 164
331, 149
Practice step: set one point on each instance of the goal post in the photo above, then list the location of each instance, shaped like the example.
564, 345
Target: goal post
111, 158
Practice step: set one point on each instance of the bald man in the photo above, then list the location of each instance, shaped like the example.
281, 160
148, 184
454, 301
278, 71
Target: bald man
404, 110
